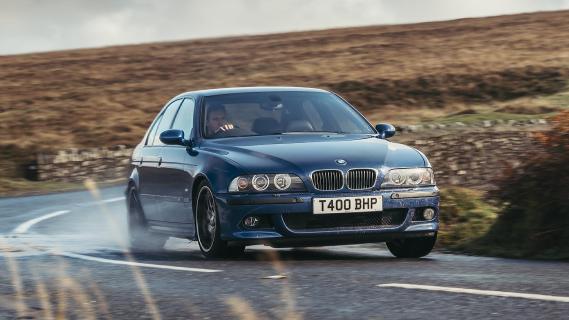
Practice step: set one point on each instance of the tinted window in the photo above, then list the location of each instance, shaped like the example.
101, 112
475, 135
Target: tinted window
185, 118
294, 112
166, 121
313, 115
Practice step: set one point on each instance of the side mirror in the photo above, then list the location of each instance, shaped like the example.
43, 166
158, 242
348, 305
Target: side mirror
385, 130
174, 137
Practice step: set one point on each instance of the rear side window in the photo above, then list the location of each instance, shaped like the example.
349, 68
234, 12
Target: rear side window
185, 118
166, 121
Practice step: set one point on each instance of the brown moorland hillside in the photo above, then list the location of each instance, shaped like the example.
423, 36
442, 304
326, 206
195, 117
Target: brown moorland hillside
108, 96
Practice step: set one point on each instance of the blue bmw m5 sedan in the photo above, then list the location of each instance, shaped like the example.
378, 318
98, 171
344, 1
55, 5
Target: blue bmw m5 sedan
280, 166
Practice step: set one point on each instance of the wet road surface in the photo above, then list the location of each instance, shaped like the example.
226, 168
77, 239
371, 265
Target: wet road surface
64, 254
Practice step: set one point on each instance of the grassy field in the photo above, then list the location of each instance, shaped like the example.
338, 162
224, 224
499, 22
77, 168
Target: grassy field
416, 72
507, 67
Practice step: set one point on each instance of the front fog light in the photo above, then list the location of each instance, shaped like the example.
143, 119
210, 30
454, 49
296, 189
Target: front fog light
260, 182
428, 214
251, 222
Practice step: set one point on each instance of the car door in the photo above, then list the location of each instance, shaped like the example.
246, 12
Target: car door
178, 171
146, 168
150, 173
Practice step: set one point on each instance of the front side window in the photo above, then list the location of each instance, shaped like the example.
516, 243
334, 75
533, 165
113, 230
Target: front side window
166, 121
287, 112
185, 118
152, 133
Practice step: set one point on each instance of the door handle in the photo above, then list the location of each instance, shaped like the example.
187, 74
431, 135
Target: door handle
153, 159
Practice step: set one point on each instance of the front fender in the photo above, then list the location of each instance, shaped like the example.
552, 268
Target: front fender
217, 169
403, 156
133, 179
427, 163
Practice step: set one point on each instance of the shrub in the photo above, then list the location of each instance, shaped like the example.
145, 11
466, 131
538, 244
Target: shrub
535, 219
464, 217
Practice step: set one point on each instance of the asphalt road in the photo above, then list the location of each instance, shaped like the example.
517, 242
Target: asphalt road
63, 254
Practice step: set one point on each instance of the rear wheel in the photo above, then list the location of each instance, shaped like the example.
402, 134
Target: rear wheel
140, 238
208, 227
412, 247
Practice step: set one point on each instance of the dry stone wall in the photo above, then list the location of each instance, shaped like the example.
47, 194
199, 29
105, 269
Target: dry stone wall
75, 165
471, 159
476, 159
485, 124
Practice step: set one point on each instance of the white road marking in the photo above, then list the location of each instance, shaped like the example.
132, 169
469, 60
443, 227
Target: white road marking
128, 263
24, 227
113, 199
478, 292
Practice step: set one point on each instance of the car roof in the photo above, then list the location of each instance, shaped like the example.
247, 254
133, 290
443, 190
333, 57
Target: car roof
219, 91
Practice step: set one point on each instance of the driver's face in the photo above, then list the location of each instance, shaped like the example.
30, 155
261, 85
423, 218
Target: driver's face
215, 120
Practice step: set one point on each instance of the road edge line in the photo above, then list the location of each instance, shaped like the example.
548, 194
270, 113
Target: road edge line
494, 293
129, 263
24, 227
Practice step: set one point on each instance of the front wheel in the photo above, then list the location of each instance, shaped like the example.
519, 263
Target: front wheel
140, 238
412, 247
208, 227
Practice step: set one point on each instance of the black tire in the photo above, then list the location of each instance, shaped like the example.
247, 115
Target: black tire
139, 236
412, 247
208, 228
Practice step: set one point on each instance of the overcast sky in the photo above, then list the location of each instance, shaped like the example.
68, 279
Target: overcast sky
46, 25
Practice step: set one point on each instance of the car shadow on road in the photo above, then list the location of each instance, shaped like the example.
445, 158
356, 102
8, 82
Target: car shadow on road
260, 255
324, 254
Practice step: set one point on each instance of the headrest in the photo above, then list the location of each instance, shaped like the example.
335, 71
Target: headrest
299, 125
265, 125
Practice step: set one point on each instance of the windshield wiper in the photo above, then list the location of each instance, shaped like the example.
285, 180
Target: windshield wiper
317, 132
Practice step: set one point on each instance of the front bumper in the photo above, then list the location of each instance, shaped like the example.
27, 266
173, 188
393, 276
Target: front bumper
233, 208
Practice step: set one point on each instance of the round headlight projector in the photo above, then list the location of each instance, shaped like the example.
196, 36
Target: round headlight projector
397, 178
428, 214
260, 182
282, 181
242, 183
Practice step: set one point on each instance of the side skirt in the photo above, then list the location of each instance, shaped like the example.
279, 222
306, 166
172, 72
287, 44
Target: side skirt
179, 230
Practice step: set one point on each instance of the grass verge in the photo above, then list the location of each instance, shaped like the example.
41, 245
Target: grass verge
470, 224
493, 116
465, 217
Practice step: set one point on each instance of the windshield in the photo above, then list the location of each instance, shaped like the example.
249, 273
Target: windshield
268, 113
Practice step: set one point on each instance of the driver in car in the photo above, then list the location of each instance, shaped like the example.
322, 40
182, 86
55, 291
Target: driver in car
216, 120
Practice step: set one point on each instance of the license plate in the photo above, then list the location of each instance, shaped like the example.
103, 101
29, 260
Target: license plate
347, 204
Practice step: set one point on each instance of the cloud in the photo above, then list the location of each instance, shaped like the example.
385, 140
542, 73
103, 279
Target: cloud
42, 25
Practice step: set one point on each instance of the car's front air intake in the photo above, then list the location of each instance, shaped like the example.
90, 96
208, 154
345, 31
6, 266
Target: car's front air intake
387, 218
328, 180
360, 179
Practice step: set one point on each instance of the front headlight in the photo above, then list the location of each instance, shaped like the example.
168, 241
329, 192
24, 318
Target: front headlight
282, 182
404, 178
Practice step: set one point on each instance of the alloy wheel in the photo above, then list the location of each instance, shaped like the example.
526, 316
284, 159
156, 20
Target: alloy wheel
206, 219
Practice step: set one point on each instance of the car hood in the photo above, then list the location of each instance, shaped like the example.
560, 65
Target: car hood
305, 153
